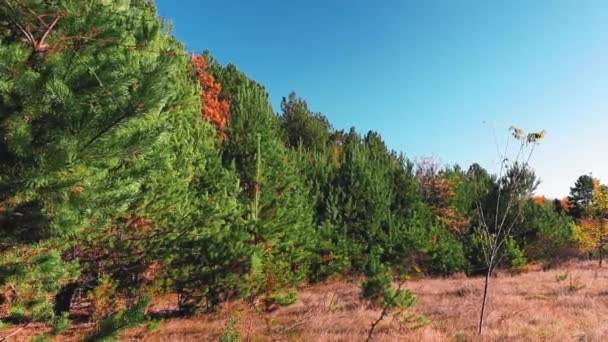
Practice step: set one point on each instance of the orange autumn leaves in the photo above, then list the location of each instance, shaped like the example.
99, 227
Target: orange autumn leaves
441, 192
215, 109
539, 200
444, 190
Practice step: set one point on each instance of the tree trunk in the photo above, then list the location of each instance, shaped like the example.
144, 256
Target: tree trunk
485, 297
601, 244
63, 298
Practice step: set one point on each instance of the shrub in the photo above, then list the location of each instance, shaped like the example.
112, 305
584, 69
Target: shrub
514, 255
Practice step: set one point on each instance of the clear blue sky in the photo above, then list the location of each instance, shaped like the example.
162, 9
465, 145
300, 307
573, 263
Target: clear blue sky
427, 74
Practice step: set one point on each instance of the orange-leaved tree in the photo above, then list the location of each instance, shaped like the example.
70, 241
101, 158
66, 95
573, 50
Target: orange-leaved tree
439, 188
215, 109
539, 200
444, 191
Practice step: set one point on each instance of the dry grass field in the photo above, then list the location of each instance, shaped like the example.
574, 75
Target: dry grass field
565, 304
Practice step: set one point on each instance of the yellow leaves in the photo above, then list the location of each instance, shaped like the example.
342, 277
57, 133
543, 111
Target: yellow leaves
600, 198
588, 233
530, 138
534, 137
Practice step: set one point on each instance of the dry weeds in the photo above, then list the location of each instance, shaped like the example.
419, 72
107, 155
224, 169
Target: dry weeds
565, 304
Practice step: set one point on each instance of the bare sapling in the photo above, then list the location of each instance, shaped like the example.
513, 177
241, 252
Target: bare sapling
496, 222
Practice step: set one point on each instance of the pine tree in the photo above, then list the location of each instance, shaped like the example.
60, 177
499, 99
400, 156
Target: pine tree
303, 127
280, 217
581, 196
100, 127
208, 255
365, 193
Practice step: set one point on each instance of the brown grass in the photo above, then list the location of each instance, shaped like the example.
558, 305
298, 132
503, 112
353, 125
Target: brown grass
566, 304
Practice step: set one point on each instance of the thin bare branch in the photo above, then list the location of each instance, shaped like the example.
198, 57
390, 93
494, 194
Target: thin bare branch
40, 46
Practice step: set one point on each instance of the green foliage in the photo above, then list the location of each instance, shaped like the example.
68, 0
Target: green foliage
153, 326
280, 217
42, 312
35, 274
103, 296
548, 233
207, 258
581, 196
443, 253
302, 127
17, 313
474, 250
333, 254
111, 182
359, 201
99, 126
514, 255
230, 334
561, 277
365, 189
5, 325
284, 297
378, 287
61, 324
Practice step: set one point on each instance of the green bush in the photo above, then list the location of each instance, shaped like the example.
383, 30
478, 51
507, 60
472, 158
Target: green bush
444, 253
43, 312
515, 257
379, 290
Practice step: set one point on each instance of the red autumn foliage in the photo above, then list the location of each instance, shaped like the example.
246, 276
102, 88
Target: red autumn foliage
215, 110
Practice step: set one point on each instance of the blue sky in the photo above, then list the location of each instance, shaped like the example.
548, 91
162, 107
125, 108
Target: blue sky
435, 78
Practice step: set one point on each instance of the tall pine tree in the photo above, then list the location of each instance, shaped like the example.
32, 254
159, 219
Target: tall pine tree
279, 215
100, 127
